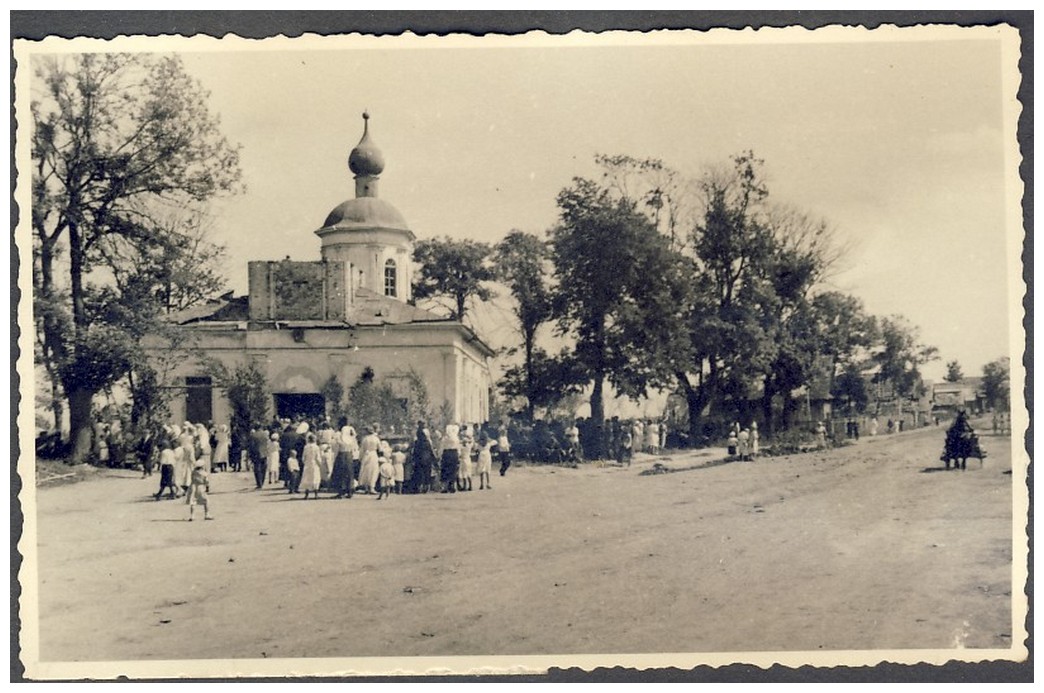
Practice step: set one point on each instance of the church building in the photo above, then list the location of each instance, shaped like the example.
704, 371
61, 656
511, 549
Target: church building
349, 311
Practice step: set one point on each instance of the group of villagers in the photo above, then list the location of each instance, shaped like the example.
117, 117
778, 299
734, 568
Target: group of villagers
307, 461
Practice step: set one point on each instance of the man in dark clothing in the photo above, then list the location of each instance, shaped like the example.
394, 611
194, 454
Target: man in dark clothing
422, 458
287, 442
257, 447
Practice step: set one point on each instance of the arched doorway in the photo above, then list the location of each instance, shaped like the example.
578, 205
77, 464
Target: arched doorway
294, 405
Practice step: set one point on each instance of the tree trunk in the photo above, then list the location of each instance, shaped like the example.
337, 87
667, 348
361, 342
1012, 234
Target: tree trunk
697, 398
694, 403
790, 405
57, 406
80, 425
461, 300
52, 347
766, 410
598, 415
529, 339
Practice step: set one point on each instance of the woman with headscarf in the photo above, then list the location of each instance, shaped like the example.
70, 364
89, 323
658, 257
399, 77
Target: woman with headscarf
422, 458
449, 466
370, 471
184, 460
221, 449
341, 476
302, 432
203, 446
311, 475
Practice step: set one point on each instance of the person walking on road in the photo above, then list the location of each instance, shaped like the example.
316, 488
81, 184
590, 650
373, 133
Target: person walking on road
257, 446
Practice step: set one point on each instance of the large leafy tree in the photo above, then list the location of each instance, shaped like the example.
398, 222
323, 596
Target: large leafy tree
954, 374
545, 382
522, 263
120, 143
849, 389
731, 340
372, 400
458, 270
661, 192
845, 336
899, 359
802, 254
846, 330
247, 390
619, 292
996, 383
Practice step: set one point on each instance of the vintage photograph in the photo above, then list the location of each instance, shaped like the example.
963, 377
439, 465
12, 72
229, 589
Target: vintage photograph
426, 355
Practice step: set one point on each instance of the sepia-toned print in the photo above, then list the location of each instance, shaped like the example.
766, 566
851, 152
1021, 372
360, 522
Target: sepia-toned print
357, 355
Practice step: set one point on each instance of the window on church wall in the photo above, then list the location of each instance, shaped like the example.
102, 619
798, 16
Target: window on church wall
390, 284
199, 399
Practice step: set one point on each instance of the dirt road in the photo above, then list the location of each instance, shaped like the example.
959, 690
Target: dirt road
864, 547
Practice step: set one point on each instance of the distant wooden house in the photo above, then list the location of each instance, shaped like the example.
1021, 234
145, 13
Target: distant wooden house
948, 398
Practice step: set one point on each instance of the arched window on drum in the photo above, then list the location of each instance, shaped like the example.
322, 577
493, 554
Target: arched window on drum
390, 279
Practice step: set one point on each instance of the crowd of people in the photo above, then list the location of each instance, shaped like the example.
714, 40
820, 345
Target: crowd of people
306, 457
744, 444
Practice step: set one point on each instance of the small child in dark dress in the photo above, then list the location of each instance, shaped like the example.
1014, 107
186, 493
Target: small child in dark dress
293, 467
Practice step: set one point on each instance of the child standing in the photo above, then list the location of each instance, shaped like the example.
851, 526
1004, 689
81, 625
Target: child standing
273, 458
198, 490
733, 443
744, 445
166, 461
399, 465
293, 468
504, 450
485, 461
387, 476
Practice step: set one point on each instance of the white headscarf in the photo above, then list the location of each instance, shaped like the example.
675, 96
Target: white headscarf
303, 428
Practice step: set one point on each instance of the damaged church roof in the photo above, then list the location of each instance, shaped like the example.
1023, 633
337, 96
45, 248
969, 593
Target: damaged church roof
369, 309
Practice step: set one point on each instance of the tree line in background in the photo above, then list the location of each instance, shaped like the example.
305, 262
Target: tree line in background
702, 287
654, 281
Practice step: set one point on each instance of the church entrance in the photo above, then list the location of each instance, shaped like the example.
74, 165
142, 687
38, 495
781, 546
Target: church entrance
293, 405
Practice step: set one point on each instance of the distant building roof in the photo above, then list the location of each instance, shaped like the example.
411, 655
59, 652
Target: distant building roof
969, 383
224, 309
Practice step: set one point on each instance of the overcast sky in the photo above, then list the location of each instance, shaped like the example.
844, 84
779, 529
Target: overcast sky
899, 144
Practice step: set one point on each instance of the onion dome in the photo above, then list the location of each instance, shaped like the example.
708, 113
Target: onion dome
363, 213
366, 159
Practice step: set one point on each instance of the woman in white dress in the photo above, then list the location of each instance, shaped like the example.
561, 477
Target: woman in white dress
485, 461
350, 441
203, 439
370, 471
311, 475
221, 450
184, 461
